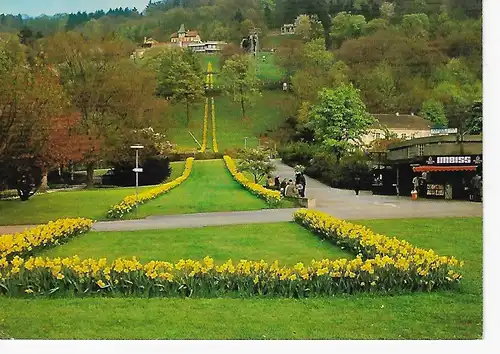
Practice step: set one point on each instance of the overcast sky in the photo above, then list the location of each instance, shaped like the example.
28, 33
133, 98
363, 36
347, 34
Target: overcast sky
51, 7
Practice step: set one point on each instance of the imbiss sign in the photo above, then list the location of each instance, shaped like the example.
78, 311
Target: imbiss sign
454, 160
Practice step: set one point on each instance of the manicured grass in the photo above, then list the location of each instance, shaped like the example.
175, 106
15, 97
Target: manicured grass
439, 315
42, 208
91, 204
288, 243
419, 316
268, 71
209, 188
268, 113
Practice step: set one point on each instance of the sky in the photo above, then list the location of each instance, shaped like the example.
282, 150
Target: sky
50, 7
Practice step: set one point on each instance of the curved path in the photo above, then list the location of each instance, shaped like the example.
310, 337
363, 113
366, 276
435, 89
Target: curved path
344, 203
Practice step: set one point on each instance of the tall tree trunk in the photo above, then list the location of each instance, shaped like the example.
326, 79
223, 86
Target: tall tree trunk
45, 180
325, 20
90, 174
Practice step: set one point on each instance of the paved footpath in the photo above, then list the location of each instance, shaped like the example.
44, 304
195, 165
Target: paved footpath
198, 220
344, 203
340, 203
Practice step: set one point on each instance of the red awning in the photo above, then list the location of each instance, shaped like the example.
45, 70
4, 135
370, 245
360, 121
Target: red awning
443, 168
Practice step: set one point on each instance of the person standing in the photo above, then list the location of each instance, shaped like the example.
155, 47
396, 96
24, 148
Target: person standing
282, 186
301, 179
415, 184
357, 185
476, 185
277, 182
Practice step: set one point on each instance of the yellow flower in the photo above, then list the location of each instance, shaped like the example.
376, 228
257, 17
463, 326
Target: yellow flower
28, 291
256, 279
101, 284
60, 276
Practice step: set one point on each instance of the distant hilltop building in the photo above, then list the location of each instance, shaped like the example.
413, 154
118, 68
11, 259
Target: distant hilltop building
183, 37
149, 43
288, 28
206, 47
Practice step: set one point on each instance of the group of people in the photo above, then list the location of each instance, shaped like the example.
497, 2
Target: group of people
288, 188
474, 188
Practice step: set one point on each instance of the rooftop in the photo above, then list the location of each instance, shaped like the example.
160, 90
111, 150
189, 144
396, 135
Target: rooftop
402, 121
440, 139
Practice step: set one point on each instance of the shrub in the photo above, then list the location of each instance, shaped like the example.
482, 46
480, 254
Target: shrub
155, 171
53, 177
323, 165
298, 154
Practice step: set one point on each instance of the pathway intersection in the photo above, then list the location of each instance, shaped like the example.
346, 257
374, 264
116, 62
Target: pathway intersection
340, 203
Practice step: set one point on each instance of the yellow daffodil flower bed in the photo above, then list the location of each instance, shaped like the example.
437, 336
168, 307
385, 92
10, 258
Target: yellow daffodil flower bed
205, 127
272, 197
214, 138
128, 203
383, 263
41, 236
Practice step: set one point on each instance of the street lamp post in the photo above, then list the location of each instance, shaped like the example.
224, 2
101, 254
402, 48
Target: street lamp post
137, 170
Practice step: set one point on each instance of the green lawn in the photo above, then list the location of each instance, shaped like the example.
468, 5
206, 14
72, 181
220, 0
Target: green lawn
268, 113
439, 315
91, 204
209, 188
288, 243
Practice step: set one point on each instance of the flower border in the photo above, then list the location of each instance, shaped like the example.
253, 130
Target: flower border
383, 265
272, 197
129, 203
31, 240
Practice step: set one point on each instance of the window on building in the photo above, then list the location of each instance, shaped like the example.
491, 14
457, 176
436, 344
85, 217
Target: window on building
413, 136
377, 135
420, 150
403, 136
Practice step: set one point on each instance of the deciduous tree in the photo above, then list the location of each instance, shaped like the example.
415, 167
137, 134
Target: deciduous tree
339, 119
179, 77
257, 162
433, 110
109, 91
240, 81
